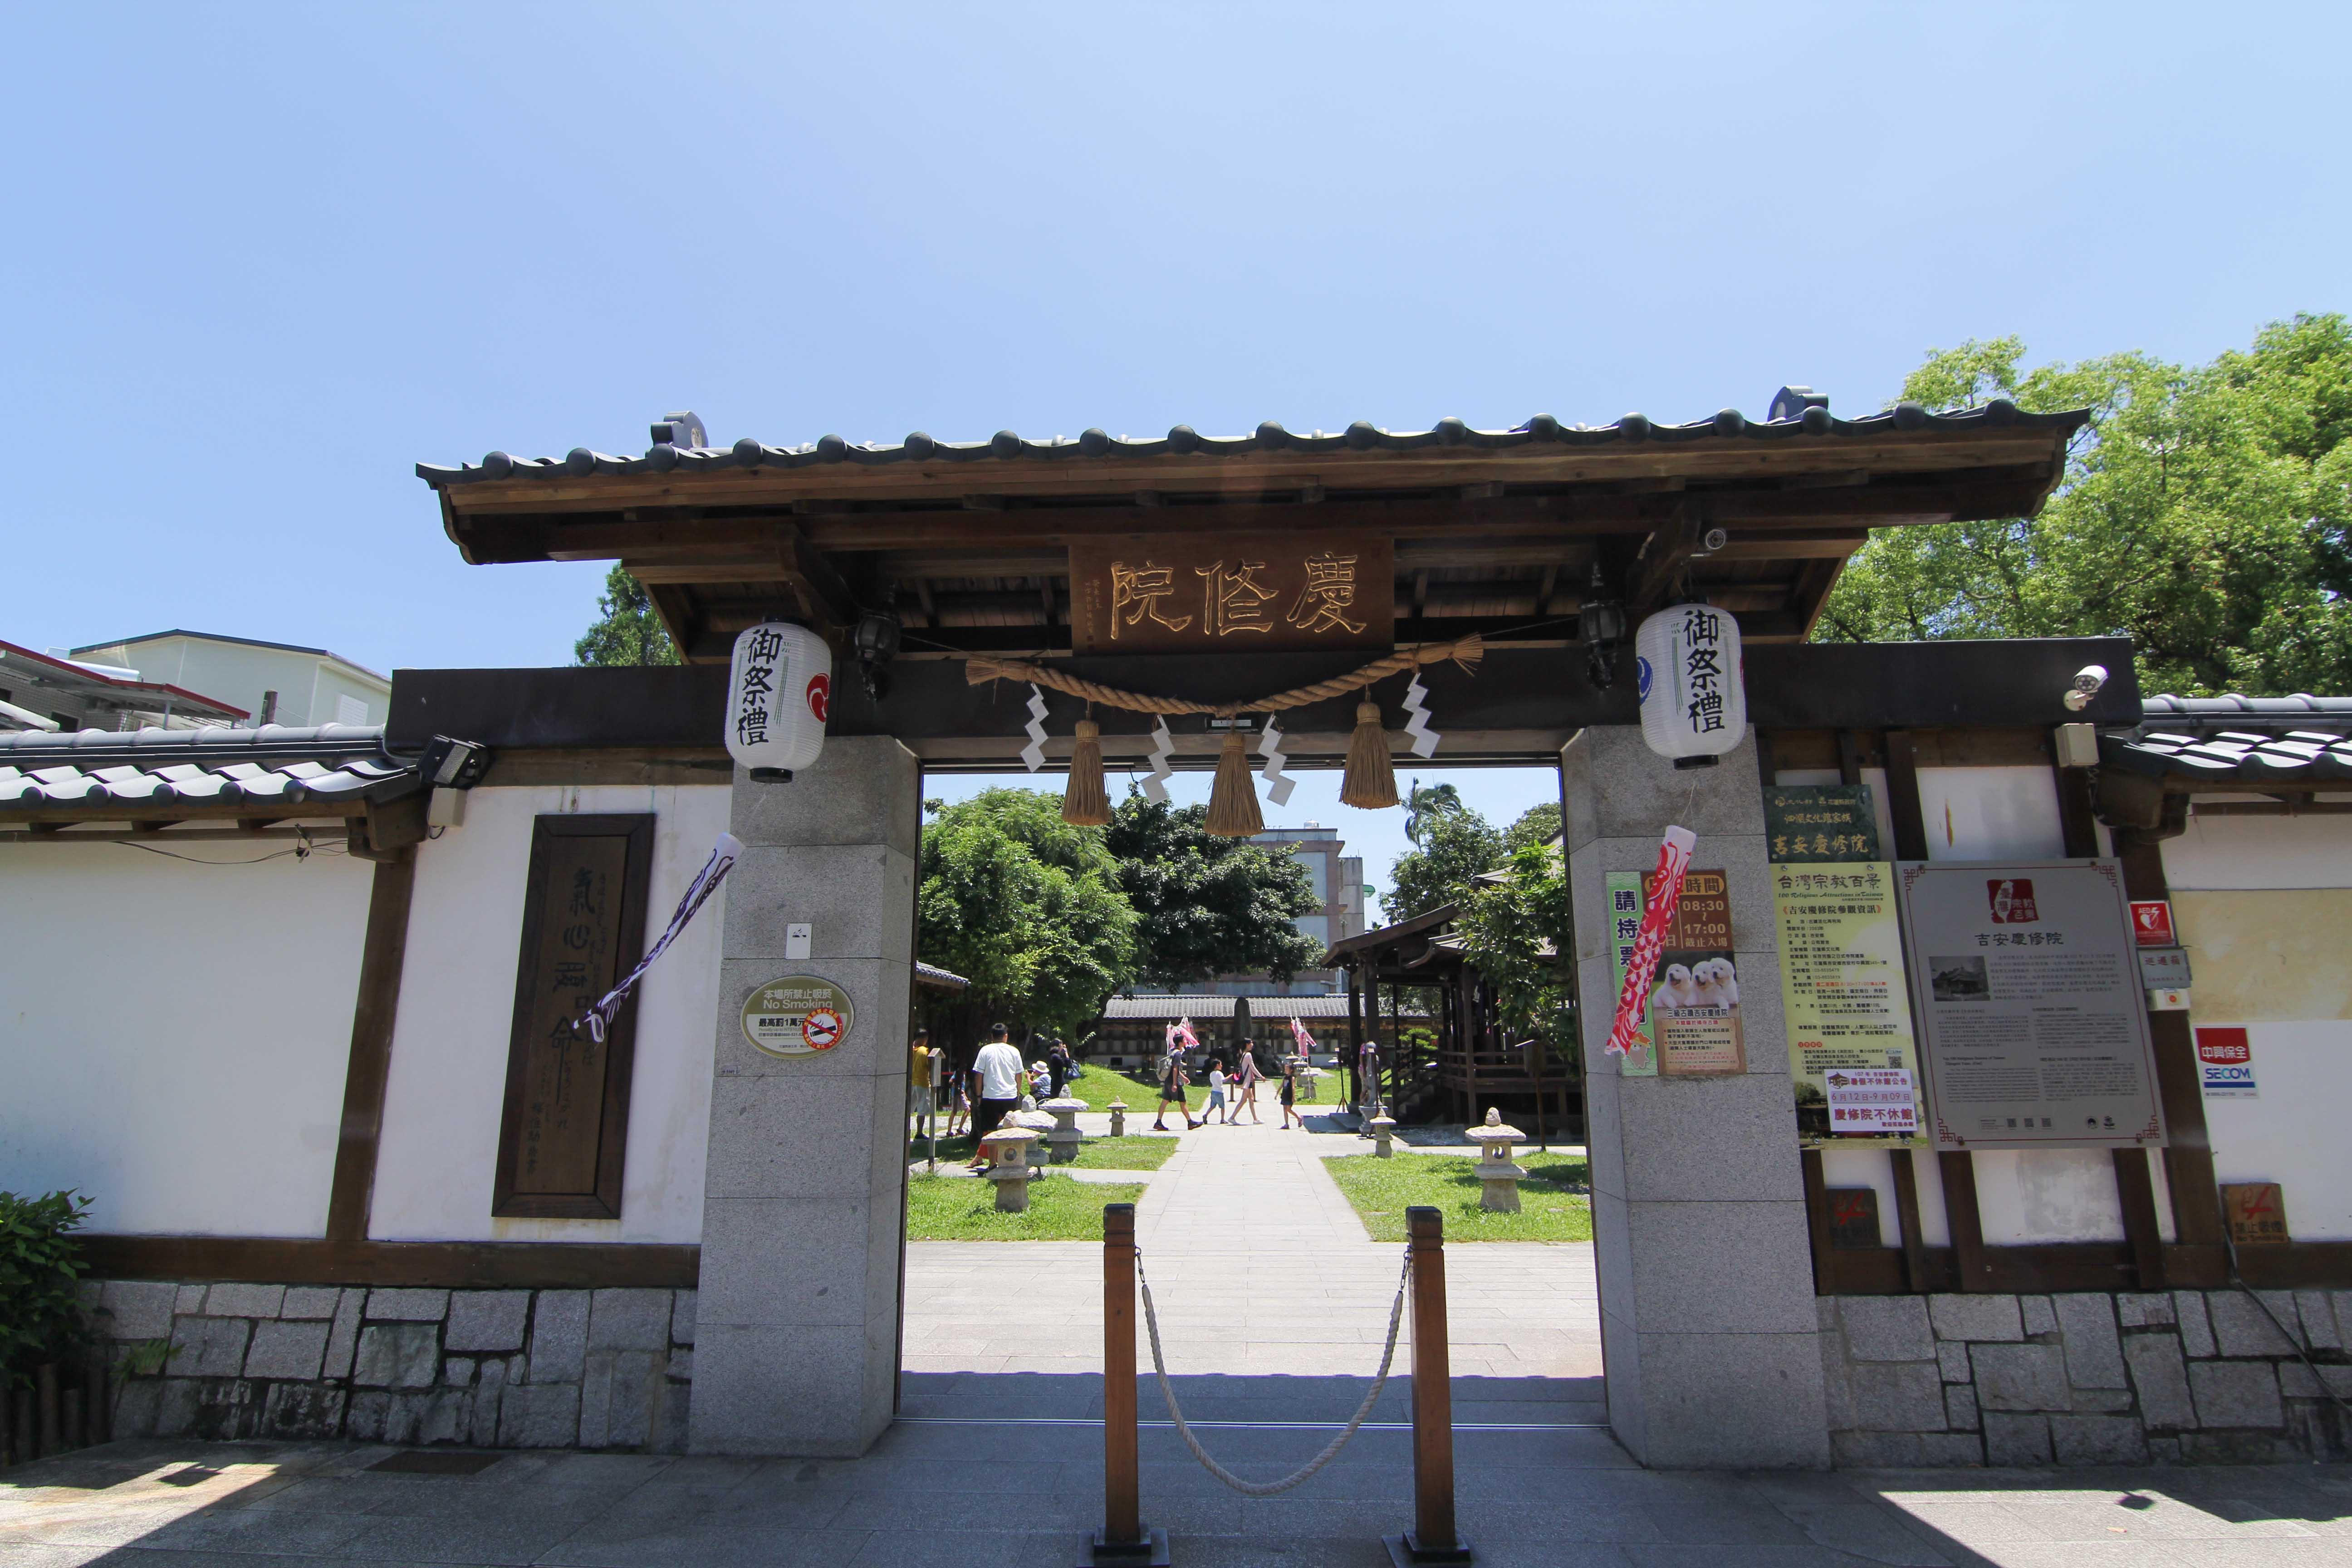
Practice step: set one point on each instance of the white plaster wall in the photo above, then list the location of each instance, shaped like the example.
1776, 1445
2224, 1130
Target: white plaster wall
435, 1165
173, 1036
2294, 1135
1991, 814
2216, 853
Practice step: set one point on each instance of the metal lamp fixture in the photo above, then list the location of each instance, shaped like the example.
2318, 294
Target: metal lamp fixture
1601, 625
876, 644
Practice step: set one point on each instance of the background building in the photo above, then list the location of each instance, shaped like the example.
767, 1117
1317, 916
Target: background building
47, 691
1338, 883
275, 683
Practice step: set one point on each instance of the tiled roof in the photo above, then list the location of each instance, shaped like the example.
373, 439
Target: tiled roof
1198, 1006
2233, 740
931, 974
1360, 437
276, 764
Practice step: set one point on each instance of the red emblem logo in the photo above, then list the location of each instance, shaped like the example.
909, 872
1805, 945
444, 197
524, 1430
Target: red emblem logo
821, 1030
2224, 1047
2012, 901
820, 695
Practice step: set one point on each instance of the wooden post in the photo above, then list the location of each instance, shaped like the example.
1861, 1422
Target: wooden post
1433, 1539
1123, 1538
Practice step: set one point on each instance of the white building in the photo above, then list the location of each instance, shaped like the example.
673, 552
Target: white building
276, 682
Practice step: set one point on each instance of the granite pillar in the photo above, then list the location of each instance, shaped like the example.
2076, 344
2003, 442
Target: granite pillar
797, 1344
1708, 1320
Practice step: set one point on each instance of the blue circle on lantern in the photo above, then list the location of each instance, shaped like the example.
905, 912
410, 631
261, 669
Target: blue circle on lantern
1641, 679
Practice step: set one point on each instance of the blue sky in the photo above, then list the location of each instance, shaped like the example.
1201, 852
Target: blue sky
263, 257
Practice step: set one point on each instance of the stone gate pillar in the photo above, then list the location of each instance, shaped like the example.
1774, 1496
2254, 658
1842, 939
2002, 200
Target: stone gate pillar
1708, 1320
796, 1339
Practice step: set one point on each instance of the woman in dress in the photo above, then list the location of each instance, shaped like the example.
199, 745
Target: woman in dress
1245, 1077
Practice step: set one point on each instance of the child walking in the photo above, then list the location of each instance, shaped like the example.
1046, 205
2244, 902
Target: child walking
1290, 1096
1216, 1094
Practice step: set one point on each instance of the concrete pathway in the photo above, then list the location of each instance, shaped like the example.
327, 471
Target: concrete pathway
1259, 1266
998, 1497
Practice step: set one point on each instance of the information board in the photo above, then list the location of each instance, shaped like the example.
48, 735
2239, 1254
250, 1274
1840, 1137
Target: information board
1691, 1027
1851, 1055
2025, 980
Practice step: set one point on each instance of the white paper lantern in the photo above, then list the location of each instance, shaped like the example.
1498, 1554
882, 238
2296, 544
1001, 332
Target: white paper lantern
778, 691
1694, 693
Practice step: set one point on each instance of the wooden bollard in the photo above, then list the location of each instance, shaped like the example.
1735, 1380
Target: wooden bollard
1124, 1538
1433, 1538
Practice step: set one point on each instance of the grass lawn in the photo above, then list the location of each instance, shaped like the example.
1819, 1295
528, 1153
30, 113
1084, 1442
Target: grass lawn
960, 1208
1552, 1202
1148, 1153
1101, 1084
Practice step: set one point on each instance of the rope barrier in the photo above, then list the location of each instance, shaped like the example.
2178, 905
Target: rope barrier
979, 669
1331, 1452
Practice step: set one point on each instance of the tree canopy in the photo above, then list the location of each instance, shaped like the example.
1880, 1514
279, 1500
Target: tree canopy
626, 630
1025, 907
2204, 512
1207, 906
1454, 846
1514, 931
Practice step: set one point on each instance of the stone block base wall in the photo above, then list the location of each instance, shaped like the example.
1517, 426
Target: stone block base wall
506, 1369
2096, 1378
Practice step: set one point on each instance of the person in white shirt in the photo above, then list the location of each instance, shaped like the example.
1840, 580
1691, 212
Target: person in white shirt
996, 1074
1216, 1091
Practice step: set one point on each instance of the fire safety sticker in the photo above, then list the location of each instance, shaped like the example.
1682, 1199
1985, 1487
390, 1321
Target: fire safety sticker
797, 1015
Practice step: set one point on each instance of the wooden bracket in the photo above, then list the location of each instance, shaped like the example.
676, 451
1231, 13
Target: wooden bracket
822, 595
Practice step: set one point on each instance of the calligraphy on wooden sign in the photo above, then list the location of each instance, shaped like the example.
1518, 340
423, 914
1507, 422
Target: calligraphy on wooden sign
1172, 593
565, 1127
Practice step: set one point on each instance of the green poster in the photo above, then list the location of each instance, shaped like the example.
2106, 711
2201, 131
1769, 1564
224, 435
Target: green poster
1814, 823
1851, 1050
1623, 889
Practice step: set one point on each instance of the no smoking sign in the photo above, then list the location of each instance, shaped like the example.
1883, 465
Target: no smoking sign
797, 1015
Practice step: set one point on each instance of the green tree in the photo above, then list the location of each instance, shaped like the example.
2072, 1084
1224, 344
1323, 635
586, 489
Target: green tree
2203, 512
1425, 803
1207, 906
1454, 849
1026, 907
626, 630
1514, 931
1538, 826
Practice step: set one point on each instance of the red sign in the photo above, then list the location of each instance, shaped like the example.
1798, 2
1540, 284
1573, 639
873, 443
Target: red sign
2152, 922
2012, 901
821, 1028
2224, 1047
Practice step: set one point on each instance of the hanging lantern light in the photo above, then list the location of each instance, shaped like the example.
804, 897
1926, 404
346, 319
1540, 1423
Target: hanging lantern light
1601, 627
1694, 694
778, 689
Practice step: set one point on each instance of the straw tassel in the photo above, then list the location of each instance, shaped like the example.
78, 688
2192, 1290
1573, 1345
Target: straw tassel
1233, 802
1085, 804
1370, 781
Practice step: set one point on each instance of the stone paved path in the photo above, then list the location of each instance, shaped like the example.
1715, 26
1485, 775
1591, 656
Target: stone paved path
1259, 1266
999, 1497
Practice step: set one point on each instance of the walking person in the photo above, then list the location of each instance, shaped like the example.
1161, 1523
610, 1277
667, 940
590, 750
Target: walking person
1246, 1080
1057, 1067
1172, 1084
958, 1096
1216, 1094
1290, 1096
996, 1074
920, 1106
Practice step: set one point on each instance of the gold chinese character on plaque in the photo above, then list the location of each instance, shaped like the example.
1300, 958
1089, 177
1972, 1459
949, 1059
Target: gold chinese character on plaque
1233, 600
1137, 591
1328, 593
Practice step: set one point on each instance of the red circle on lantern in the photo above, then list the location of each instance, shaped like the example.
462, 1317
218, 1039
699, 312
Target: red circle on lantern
820, 694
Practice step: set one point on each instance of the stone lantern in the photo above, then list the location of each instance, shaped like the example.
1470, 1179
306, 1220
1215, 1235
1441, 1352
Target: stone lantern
1061, 1142
1118, 1119
1008, 1151
1500, 1192
1383, 1128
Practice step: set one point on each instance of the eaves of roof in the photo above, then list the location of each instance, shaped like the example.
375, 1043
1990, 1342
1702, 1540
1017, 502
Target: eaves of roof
97, 774
2233, 742
1270, 437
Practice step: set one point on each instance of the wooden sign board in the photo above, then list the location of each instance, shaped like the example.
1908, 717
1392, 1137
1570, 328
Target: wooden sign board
2257, 1213
1854, 1218
1171, 592
566, 1123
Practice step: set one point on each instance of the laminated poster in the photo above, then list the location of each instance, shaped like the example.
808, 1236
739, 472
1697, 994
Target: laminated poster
2028, 992
1851, 1054
1691, 1026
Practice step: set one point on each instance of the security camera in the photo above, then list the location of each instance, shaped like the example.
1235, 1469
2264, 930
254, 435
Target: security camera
2087, 681
1715, 540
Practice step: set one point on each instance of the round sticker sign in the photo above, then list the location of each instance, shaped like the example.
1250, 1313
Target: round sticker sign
797, 1015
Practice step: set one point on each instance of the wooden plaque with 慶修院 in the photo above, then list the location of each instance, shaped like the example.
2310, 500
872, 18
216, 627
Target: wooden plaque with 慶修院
1225, 592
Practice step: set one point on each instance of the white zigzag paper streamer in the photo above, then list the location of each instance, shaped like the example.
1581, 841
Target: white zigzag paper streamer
1424, 739
1278, 784
1033, 753
1163, 751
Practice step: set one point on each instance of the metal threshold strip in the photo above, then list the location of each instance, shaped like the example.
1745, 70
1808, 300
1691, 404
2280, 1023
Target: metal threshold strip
1247, 1425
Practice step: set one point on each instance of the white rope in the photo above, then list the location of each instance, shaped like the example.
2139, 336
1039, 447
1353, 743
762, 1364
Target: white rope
1331, 1452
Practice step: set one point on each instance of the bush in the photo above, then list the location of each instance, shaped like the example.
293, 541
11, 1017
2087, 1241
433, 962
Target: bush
40, 1318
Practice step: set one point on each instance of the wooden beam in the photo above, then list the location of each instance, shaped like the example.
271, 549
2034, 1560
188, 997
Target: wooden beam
51, 818
1906, 1215
2197, 1216
438, 1265
1817, 1223
822, 595
1671, 547
674, 606
368, 1065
